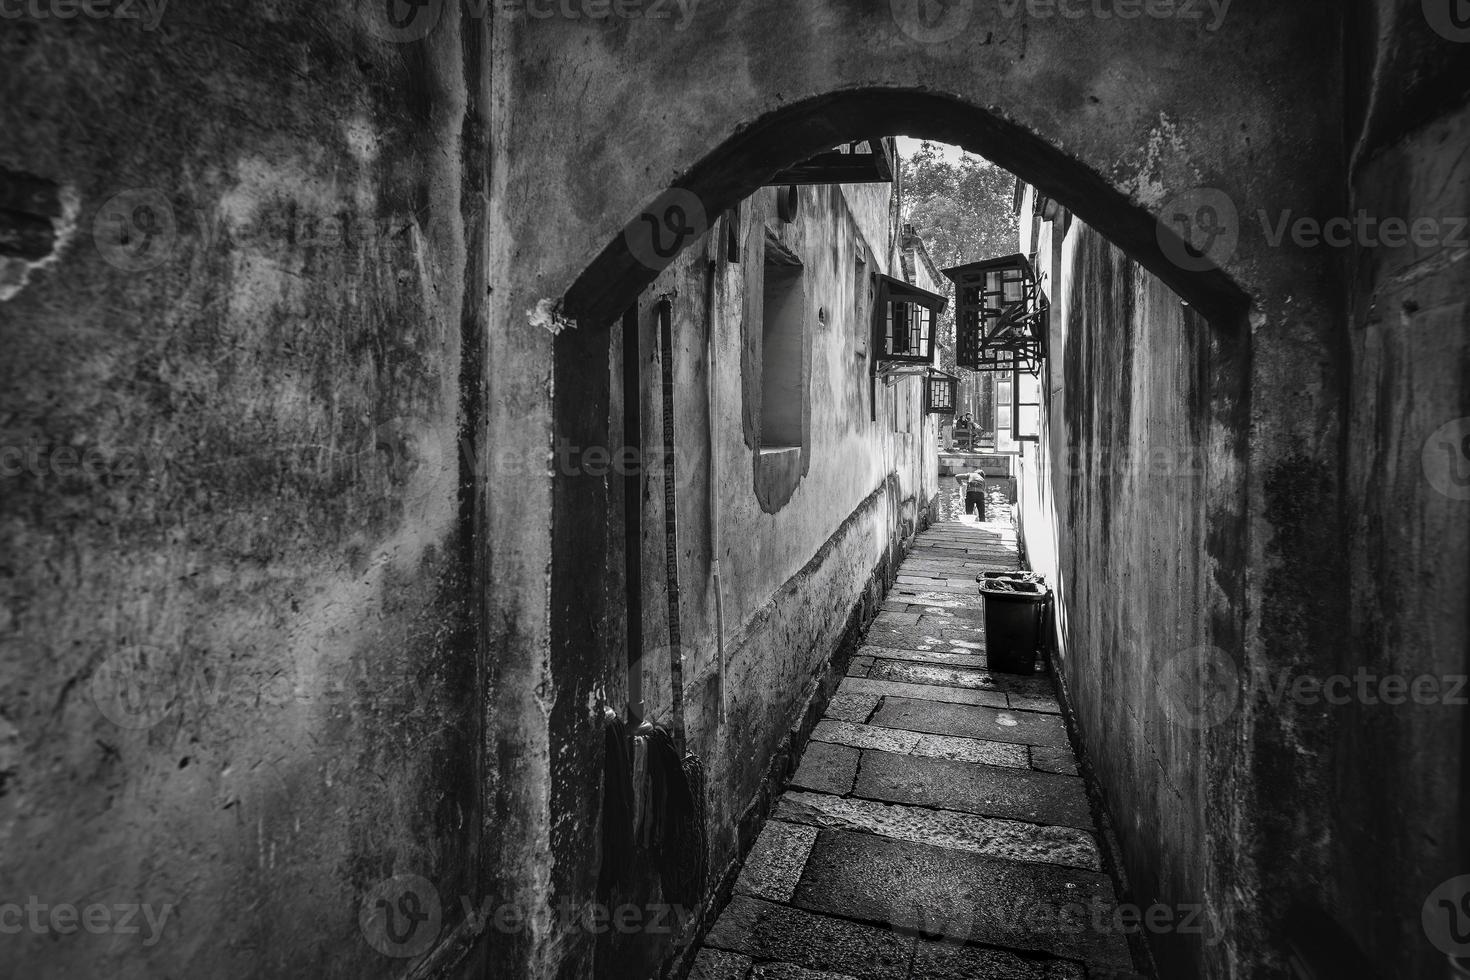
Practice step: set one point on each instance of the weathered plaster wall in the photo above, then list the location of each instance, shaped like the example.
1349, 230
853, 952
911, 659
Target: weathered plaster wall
846, 457
1355, 809
1400, 775
791, 579
270, 552
1130, 466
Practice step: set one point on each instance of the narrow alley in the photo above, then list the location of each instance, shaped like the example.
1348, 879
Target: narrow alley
937, 828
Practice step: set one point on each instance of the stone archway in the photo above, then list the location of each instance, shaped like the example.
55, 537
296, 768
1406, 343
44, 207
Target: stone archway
1107, 116
740, 165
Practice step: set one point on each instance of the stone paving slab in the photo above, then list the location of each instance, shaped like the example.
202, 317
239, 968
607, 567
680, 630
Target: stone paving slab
789, 971
850, 706
990, 558
921, 640
1011, 839
952, 614
933, 641
913, 586
933, 593
976, 750
774, 863
1049, 706
977, 721
768, 931
937, 579
827, 768
955, 604
971, 897
1031, 686
951, 695
925, 656
717, 964
965, 633
896, 619
865, 736
972, 750
972, 622
859, 666
1053, 760
994, 791
908, 672
955, 961
969, 640
949, 566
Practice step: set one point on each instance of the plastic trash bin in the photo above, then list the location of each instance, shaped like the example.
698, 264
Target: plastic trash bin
1015, 613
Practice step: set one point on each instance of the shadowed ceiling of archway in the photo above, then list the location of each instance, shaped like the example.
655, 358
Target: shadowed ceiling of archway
748, 158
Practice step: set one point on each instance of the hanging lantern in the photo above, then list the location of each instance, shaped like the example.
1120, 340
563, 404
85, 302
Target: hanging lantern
1001, 318
941, 393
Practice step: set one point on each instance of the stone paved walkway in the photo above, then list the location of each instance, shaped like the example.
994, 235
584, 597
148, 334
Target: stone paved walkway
936, 828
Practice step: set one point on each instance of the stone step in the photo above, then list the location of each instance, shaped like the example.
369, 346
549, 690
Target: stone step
1011, 839
973, 721
974, 898
991, 791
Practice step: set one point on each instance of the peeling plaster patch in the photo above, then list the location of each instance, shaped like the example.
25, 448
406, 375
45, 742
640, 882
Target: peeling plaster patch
597, 699
15, 270
361, 139
365, 144
545, 316
262, 183
1164, 144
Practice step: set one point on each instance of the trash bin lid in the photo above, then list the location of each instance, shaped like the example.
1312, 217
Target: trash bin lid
1014, 589
1014, 576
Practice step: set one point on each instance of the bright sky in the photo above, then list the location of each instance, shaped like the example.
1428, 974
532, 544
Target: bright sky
908, 146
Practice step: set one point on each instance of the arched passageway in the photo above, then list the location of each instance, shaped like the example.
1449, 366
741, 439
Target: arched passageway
1205, 361
744, 162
